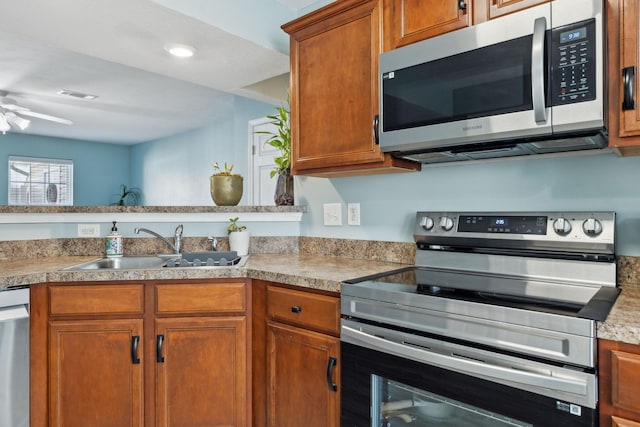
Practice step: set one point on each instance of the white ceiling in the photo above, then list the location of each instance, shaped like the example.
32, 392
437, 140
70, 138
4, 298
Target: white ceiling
113, 49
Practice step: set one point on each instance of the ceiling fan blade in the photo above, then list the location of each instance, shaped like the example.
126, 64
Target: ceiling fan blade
45, 117
13, 107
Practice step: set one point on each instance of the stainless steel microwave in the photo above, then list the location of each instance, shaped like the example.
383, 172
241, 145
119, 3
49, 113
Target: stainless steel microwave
531, 82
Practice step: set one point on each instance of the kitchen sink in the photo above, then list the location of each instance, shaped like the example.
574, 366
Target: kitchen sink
189, 259
121, 263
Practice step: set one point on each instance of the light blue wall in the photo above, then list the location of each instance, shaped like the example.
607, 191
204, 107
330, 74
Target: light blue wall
98, 169
389, 202
175, 170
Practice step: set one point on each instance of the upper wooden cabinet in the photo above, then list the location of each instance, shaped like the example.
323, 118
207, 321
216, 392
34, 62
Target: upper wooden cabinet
619, 367
334, 91
623, 23
409, 21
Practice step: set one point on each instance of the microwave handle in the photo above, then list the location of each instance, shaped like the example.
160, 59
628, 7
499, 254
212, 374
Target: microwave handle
538, 71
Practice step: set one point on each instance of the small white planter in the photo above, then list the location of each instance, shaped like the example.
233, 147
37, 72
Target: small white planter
239, 242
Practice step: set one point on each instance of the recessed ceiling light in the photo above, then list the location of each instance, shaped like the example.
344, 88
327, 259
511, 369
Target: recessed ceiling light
180, 50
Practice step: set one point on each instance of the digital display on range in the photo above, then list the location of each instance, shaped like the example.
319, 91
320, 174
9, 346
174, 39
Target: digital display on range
503, 224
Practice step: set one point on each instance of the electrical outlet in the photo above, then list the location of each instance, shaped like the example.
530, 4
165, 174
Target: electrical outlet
353, 213
88, 230
333, 214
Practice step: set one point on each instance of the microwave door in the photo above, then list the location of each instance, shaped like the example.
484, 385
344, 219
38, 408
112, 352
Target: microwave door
487, 90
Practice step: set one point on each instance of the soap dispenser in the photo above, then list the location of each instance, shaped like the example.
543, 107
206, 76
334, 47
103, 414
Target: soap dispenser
114, 242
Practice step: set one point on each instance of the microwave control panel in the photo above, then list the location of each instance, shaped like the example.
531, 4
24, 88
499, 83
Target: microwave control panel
573, 56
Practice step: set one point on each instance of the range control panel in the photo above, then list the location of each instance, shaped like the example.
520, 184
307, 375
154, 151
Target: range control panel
588, 229
573, 63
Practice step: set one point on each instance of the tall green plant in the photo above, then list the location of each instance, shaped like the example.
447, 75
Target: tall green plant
280, 139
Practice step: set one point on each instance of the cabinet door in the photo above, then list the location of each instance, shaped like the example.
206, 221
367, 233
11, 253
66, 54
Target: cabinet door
201, 372
334, 94
619, 377
302, 373
629, 60
95, 374
415, 20
498, 8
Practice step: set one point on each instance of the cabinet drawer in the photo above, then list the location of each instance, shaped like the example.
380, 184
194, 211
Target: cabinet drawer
222, 297
305, 309
96, 299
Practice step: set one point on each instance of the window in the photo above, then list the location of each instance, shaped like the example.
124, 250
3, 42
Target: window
36, 181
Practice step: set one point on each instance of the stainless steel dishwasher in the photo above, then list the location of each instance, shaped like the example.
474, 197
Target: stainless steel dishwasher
14, 358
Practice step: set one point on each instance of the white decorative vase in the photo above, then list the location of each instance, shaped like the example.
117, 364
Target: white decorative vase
239, 242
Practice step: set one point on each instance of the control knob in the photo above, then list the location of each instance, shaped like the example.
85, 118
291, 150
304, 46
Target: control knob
446, 223
592, 227
426, 223
562, 226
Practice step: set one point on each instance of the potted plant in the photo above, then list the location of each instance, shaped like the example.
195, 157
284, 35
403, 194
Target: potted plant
281, 140
128, 196
225, 186
239, 237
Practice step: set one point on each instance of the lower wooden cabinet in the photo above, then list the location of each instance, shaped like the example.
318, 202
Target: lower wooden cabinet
303, 358
302, 378
201, 372
619, 370
166, 354
93, 379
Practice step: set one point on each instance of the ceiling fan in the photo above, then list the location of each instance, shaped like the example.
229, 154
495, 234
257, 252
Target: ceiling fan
11, 114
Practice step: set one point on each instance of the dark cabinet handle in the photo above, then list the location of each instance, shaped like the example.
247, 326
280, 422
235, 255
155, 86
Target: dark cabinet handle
331, 364
628, 76
135, 340
462, 5
376, 133
296, 309
159, 341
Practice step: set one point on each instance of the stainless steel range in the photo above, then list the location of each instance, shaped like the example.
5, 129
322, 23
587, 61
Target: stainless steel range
495, 325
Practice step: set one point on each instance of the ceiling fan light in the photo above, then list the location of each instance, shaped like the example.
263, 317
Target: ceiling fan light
4, 124
180, 50
18, 121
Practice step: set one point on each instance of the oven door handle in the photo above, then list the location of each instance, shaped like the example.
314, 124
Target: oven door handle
460, 364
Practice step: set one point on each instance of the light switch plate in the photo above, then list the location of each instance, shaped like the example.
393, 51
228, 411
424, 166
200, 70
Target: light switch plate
88, 230
333, 214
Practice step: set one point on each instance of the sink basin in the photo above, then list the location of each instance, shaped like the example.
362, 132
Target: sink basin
121, 263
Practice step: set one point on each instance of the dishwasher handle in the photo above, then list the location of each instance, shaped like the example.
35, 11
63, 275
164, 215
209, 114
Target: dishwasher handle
13, 313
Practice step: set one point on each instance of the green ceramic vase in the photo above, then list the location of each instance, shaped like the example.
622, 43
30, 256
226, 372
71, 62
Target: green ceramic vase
226, 190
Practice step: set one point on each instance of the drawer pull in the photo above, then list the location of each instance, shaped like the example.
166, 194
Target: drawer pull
159, 341
331, 364
134, 349
296, 309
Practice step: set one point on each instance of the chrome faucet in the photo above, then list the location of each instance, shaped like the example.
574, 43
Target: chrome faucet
177, 235
214, 243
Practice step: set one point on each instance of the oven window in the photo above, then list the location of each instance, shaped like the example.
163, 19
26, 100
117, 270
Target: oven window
396, 404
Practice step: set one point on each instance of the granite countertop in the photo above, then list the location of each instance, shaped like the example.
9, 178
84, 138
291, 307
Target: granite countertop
310, 271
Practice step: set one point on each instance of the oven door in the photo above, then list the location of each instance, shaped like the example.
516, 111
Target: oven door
391, 378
